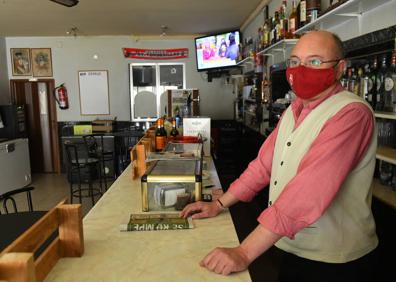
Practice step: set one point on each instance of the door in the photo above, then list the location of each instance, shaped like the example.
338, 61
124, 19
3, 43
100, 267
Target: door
41, 122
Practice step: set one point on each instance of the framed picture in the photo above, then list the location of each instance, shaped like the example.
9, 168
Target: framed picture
41, 62
20, 60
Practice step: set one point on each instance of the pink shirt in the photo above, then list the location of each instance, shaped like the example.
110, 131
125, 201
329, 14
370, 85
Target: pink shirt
338, 148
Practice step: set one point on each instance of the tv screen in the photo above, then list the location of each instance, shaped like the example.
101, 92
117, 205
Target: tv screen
218, 50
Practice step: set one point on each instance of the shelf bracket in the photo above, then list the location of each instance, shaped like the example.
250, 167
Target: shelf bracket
354, 15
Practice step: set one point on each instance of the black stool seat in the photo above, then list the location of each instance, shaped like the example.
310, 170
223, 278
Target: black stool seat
88, 167
96, 150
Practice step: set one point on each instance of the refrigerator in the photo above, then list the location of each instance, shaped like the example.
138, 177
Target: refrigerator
14, 164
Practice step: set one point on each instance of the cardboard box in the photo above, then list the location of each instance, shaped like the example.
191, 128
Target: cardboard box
102, 125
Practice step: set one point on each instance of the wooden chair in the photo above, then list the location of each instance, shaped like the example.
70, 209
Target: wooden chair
17, 261
8, 197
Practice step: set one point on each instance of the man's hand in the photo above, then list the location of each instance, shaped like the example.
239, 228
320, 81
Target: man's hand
226, 260
201, 210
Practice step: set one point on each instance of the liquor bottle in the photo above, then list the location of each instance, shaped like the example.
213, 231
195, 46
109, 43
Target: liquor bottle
359, 77
293, 21
266, 34
351, 82
344, 79
380, 86
303, 13
364, 85
372, 84
390, 86
174, 132
160, 136
284, 20
276, 27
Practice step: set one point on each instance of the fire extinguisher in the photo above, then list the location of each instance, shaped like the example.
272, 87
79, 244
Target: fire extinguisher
61, 98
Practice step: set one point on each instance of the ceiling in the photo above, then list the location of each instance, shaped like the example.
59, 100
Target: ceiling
123, 17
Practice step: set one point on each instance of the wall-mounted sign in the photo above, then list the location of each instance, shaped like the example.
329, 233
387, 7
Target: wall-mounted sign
155, 54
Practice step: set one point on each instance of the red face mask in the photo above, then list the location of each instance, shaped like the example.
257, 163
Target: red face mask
309, 82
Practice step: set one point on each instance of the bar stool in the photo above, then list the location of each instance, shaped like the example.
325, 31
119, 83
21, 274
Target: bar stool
85, 169
98, 151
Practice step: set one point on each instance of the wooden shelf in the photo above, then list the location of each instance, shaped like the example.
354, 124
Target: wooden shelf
386, 154
386, 115
384, 193
341, 14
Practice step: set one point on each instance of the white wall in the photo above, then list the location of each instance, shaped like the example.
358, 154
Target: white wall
69, 55
4, 86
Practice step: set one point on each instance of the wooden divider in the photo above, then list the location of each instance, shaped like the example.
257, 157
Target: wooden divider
16, 261
140, 151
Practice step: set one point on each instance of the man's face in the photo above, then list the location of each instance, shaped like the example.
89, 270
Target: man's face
319, 45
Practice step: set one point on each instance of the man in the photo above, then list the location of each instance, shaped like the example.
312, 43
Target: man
233, 48
319, 164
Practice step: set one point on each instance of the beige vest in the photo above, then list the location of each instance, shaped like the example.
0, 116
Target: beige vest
346, 230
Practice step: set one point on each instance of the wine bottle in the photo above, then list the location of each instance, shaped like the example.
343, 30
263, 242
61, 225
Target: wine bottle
389, 86
160, 136
174, 132
372, 86
381, 86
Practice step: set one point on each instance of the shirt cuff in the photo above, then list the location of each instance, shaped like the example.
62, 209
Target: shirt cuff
240, 191
278, 223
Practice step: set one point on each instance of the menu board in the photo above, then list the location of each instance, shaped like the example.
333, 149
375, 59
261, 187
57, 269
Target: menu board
94, 92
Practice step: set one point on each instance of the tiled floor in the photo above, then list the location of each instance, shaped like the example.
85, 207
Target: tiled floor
49, 190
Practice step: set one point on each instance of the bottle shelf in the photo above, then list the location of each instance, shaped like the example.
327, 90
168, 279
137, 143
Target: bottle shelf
342, 13
246, 61
386, 115
278, 46
250, 100
386, 154
384, 193
250, 113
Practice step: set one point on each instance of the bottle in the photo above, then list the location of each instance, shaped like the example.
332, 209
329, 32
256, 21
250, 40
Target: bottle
160, 136
344, 79
364, 85
293, 21
351, 81
381, 86
389, 86
372, 84
266, 34
303, 13
174, 132
359, 77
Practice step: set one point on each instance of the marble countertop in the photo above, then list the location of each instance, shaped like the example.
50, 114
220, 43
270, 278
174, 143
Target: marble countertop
174, 255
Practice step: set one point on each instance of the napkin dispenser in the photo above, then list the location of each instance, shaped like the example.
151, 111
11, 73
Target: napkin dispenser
169, 185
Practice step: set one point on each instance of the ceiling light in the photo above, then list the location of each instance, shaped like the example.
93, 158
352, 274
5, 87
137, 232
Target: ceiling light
67, 3
164, 28
72, 31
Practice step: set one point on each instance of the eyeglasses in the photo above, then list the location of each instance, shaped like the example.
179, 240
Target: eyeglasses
309, 63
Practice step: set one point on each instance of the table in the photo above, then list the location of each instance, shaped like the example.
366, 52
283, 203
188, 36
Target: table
111, 255
14, 224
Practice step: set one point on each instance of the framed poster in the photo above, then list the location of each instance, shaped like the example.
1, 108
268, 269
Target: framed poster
94, 92
41, 62
20, 61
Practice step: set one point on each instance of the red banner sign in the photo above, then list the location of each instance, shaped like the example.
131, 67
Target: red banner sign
155, 54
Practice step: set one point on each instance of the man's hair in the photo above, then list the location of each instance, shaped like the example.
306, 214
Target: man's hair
337, 42
339, 46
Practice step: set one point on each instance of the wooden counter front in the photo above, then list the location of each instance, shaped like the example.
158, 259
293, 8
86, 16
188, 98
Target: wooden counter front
112, 255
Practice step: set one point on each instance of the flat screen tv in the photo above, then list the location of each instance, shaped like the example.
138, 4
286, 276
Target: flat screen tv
217, 51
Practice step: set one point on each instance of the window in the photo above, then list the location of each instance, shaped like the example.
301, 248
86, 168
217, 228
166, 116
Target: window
148, 85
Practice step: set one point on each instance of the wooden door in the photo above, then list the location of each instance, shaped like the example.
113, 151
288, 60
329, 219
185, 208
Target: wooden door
41, 122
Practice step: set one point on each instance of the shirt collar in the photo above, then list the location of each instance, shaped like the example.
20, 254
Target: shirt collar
298, 105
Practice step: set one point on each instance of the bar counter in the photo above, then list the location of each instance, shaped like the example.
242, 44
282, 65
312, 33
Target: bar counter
174, 255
